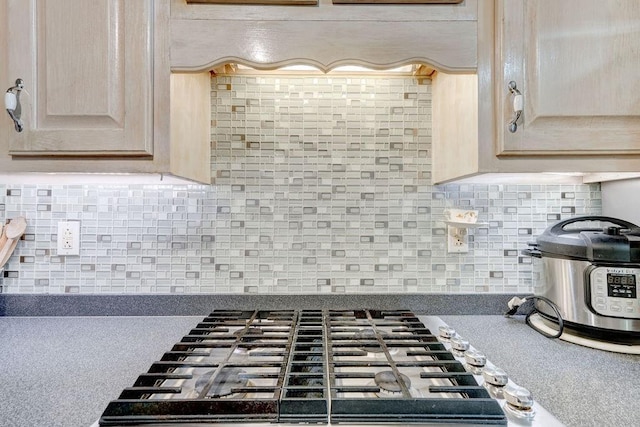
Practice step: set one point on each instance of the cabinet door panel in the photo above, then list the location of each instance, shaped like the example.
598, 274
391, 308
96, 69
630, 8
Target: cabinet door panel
87, 67
81, 85
575, 62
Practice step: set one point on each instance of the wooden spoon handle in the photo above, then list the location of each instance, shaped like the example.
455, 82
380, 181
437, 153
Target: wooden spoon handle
7, 251
3, 237
12, 233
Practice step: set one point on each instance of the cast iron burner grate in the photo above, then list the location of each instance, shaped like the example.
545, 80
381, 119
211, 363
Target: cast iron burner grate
307, 366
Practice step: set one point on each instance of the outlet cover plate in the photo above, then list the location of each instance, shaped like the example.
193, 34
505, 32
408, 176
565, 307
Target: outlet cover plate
68, 238
457, 240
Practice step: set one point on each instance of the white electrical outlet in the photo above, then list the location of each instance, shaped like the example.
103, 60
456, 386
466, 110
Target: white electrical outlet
457, 240
69, 238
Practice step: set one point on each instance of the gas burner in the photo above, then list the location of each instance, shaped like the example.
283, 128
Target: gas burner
365, 337
250, 332
388, 382
223, 383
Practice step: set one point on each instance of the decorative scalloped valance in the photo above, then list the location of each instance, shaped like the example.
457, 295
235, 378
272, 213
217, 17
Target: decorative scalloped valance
198, 45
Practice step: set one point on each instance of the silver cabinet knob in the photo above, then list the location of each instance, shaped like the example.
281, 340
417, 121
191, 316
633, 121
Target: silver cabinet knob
475, 358
446, 332
495, 376
459, 344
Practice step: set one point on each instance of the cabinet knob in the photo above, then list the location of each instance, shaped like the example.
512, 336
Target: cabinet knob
12, 104
518, 106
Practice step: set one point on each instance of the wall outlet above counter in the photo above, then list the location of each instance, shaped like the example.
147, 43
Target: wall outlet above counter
68, 242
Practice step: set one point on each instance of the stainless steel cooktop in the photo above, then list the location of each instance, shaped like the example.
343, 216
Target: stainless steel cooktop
325, 367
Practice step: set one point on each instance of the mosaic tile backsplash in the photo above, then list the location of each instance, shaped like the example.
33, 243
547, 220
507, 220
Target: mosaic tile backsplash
321, 186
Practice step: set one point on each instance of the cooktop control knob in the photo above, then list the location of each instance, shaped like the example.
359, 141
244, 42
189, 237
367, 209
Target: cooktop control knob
518, 397
475, 361
494, 381
475, 358
459, 345
446, 332
519, 402
495, 376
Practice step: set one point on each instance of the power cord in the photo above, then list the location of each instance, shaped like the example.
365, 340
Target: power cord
515, 303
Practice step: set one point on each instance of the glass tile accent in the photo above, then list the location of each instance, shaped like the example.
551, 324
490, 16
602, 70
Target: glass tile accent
317, 189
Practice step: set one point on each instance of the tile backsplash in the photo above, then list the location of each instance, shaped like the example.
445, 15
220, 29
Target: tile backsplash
321, 186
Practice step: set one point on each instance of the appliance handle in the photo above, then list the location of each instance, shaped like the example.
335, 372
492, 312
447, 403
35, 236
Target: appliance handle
559, 228
534, 253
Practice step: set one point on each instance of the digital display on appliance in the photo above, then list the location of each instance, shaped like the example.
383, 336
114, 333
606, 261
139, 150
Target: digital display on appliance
621, 285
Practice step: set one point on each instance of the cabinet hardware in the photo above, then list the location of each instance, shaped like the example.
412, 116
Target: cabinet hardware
12, 104
518, 106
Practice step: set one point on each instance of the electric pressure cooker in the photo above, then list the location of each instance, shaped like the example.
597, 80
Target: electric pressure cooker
587, 270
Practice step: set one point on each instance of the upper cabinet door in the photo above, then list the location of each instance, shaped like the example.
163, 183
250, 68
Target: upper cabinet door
576, 64
88, 76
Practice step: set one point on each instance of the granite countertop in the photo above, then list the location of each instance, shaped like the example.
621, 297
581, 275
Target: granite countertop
62, 371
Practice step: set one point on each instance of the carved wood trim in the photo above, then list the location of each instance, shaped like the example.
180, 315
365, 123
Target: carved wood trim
397, 1
258, 2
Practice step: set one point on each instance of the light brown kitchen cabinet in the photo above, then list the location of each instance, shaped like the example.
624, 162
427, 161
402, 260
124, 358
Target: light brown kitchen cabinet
88, 74
575, 64
98, 92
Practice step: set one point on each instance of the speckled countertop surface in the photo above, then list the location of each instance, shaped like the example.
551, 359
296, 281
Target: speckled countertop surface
62, 371
580, 386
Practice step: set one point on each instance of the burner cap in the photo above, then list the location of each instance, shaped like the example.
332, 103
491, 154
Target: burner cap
250, 335
252, 331
367, 337
223, 383
388, 382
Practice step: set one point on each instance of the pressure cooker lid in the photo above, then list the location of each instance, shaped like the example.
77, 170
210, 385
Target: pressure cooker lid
592, 238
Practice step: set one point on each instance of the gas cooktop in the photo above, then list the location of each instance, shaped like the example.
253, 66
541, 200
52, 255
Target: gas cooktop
349, 367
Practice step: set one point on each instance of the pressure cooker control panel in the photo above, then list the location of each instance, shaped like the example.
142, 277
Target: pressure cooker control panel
614, 291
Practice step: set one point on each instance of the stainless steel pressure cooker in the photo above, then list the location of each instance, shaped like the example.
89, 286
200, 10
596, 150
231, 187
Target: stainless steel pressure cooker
589, 268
